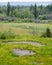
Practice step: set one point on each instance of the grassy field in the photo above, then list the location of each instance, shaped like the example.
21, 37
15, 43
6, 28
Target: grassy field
43, 54
25, 28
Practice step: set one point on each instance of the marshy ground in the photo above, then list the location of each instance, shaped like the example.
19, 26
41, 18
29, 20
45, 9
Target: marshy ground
40, 47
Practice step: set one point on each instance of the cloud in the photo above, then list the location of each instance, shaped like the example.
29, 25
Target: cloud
25, 0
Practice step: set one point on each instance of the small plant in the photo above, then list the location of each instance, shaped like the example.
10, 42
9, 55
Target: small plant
7, 35
10, 34
2, 35
47, 33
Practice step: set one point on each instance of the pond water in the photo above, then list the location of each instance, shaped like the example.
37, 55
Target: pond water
23, 42
23, 52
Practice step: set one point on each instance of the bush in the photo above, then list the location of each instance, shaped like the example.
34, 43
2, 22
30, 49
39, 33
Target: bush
42, 17
10, 34
47, 33
7, 35
3, 35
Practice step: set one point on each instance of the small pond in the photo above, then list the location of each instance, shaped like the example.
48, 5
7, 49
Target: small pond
23, 42
23, 52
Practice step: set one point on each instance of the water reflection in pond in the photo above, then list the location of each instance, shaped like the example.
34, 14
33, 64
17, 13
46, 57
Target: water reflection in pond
22, 52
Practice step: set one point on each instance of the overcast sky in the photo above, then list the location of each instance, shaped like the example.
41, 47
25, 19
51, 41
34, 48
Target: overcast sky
26, 0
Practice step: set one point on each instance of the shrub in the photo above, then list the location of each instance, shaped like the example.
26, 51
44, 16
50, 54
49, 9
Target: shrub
10, 34
3, 35
47, 33
42, 17
7, 35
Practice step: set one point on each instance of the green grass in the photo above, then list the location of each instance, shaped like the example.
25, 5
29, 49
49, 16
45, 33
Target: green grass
23, 32
43, 54
25, 28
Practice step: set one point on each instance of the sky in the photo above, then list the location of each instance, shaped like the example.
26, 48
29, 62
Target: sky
25, 0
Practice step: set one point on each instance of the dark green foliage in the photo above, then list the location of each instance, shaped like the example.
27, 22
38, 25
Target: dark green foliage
35, 12
42, 17
31, 7
3, 35
44, 12
40, 8
8, 9
49, 7
47, 33
12, 10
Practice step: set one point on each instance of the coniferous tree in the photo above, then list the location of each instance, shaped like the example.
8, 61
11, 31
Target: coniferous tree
8, 9
41, 9
35, 12
12, 11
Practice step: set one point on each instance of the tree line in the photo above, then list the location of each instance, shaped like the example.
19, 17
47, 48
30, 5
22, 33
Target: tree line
40, 12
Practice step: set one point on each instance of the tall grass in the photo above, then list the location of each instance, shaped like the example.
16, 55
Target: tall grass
7, 34
25, 28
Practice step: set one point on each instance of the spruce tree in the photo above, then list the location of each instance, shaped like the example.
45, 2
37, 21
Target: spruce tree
35, 12
8, 9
